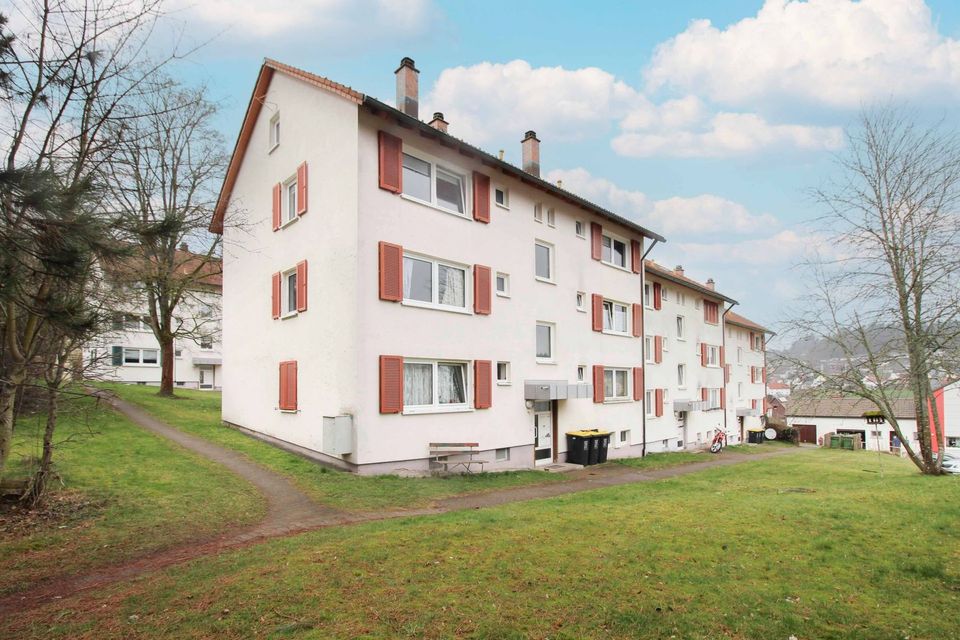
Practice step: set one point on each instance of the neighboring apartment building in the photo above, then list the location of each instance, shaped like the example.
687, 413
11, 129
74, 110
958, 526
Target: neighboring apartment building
746, 354
947, 398
130, 353
452, 297
684, 359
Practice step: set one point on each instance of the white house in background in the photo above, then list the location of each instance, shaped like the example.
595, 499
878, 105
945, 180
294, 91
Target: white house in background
815, 416
452, 297
778, 390
684, 360
130, 353
746, 370
947, 398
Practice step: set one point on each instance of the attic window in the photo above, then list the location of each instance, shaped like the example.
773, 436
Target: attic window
274, 131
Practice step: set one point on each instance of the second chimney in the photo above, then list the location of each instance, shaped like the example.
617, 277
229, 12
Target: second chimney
531, 153
678, 269
710, 284
408, 88
438, 122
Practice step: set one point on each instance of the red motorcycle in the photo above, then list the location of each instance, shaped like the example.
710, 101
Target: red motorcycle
719, 442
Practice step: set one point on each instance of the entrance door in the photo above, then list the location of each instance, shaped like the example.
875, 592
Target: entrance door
542, 433
206, 377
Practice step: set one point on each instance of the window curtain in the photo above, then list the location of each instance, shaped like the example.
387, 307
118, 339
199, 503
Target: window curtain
417, 384
451, 385
451, 285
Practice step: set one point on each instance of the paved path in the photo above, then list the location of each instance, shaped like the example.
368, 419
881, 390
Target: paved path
289, 510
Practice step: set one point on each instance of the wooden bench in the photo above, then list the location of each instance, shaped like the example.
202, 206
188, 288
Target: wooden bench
440, 450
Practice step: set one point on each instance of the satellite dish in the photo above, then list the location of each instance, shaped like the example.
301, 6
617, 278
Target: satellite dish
770, 434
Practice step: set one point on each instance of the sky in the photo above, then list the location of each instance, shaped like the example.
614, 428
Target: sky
710, 123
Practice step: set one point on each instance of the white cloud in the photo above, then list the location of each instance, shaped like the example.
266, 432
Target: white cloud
782, 248
487, 100
247, 20
691, 216
833, 52
722, 135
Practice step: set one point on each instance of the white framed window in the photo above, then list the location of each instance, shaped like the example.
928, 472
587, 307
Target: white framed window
664, 294
696, 303
614, 251
681, 328
546, 341
615, 317
501, 197
206, 343
739, 355
431, 386
133, 355
503, 285
428, 282
713, 356
544, 261
624, 436
665, 343
616, 384
503, 373
580, 228
429, 181
551, 217
274, 132
757, 343
682, 376
289, 293
502, 455
713, 398
648, 354
666, 396
178, 353
581, 301
740, 390
581, 373
648, 403
288, 197
538, 212
131, 322
648, 295
681, 299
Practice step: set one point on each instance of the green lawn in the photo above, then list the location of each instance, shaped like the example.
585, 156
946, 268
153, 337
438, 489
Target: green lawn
125, 491
198, 412
815, 545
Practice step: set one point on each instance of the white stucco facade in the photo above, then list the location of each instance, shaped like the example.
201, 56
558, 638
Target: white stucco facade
747, 388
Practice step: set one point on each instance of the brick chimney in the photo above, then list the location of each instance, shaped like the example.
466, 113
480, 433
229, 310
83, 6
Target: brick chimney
531, 153
408, 88
710, 284
678, 270
438, 122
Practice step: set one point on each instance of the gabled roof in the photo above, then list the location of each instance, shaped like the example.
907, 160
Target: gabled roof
669, 274
740, 321
376, 107
817, 406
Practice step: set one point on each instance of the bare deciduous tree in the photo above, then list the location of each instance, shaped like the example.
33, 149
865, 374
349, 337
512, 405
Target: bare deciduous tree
164, 179
886, 296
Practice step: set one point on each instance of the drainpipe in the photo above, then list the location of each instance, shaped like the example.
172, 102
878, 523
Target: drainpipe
643, 356
723, 336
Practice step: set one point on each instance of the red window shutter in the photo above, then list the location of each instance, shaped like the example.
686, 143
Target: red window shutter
704, 394
751, 341
481, 289
753, 403
763, 342
481, 197
764, 405
598, 383
391, 384
753, 374
706, 311
657, 296
275, 295
703, 354
658, 349
482, 384
597, 303
638, 383
635, 256
302, 285
391, 172
637, 320
276, 205
763, 375
658, 402
723, 362
723, 398
302, 189
726, 373
391, 272
596, 241
288, 385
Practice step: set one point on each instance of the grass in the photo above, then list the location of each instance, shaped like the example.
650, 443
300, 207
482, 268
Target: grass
198, 413
125, 492
813, 545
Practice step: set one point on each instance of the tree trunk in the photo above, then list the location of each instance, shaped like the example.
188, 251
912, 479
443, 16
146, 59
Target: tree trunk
38, 485
166, 364
8, 401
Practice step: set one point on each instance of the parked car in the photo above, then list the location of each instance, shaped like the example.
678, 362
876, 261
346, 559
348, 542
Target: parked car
951, 460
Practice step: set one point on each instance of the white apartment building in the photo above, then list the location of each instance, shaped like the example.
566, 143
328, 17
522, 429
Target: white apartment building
746, 372
452, 297
130, 353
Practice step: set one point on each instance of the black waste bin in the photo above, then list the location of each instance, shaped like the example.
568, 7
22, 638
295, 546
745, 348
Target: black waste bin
578, 447
755, 437
603, 443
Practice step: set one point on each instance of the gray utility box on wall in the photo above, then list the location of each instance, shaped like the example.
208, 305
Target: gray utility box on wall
338, 435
